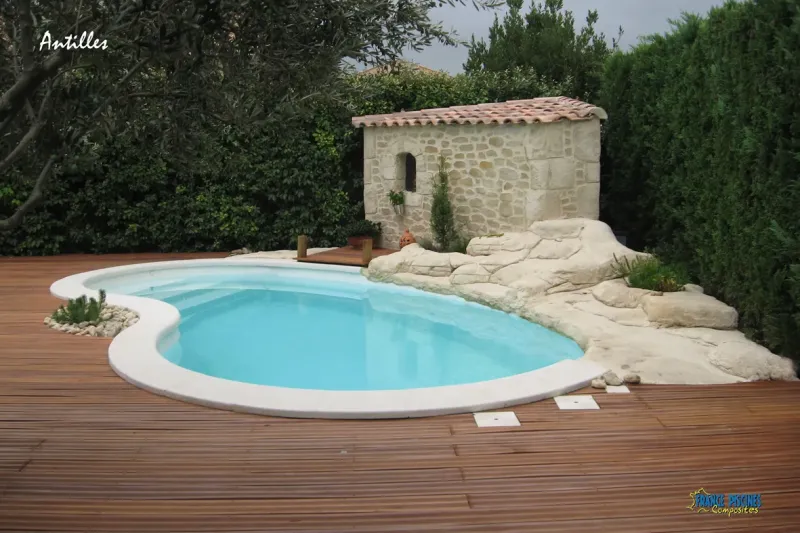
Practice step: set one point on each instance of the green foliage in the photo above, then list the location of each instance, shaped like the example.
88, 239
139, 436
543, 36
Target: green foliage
545, 41
702, 158
364, 228
446, 237
443, 224
784, 321
298, 173
458, 244
427, 244
80, 310
405, 89
181, 66
650, 273
397, 197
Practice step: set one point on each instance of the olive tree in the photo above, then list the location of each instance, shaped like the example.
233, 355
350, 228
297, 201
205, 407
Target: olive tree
73, 71
546, 41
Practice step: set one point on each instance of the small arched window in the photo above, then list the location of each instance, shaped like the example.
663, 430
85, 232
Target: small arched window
411, 172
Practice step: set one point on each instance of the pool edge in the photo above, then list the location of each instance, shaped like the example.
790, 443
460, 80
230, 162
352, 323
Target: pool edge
134, 356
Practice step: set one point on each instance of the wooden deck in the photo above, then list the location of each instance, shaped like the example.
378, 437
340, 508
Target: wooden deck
82, 450
347, 255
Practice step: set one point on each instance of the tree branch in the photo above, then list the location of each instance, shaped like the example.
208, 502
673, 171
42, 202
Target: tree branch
37, 194
8, 120
30, 136
34, 199
26, 85
171, 94
26, 34
29, 110
22, 145
77, 134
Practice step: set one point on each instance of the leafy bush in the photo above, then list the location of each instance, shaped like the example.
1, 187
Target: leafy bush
546, 39
650, 273
427, 244
701, 156
397, 197
458, 244
364, 228
785, 320
80, 310
300, 173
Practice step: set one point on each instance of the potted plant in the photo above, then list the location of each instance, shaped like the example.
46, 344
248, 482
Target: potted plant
398, 200
360, 230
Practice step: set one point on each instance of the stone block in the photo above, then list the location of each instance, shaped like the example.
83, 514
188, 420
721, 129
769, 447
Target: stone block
542, 205
370, 148
509, 174
540, 174
588, 201
496, 141
413, 199
562, 174
586, 140
593, 172
370, 201
545, 141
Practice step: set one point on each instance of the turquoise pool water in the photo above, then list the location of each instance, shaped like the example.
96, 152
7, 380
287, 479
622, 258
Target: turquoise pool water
342, 332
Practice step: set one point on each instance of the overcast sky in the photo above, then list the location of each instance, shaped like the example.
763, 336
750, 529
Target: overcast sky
637, 17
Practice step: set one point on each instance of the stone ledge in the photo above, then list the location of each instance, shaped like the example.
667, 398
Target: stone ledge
617, 293
689, 309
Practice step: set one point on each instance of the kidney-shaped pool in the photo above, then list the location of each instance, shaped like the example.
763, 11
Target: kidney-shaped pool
251, 334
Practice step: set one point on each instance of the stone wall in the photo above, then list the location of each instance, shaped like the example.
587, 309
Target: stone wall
502, 177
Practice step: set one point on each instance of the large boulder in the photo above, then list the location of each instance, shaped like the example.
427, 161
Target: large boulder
507, 242
689, 309
470, 273
617, 293
561, 274
751, 362
565, 228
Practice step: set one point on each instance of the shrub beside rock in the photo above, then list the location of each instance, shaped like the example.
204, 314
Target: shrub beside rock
112, 321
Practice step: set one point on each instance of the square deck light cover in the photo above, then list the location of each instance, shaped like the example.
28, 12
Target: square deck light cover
576, 401
618, 389
495, 420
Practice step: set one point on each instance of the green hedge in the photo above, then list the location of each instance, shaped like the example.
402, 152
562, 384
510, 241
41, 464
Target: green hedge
299, 174
702, 158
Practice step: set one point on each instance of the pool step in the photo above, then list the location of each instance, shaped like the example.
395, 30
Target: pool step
223, 301
185, 300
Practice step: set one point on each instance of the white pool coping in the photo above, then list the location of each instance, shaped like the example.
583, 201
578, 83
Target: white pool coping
134, 356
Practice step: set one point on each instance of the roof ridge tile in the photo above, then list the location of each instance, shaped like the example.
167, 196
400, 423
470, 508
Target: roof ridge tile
529, 111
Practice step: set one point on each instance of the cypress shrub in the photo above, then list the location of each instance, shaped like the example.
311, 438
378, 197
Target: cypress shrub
702, 158
443, 225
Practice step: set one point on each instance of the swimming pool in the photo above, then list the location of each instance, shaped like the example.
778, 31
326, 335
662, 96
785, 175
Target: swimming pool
259, 334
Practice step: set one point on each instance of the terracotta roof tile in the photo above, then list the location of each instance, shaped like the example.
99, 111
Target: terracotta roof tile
549, 109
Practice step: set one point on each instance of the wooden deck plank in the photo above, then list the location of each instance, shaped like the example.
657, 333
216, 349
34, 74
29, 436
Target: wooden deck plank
82, 450
347, 256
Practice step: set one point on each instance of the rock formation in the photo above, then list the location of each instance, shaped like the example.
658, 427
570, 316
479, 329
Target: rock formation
560, 273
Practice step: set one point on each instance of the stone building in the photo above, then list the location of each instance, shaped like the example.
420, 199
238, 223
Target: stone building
510, 164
